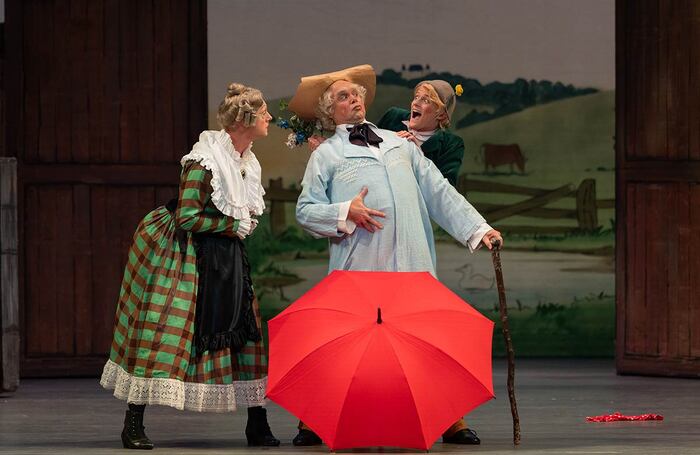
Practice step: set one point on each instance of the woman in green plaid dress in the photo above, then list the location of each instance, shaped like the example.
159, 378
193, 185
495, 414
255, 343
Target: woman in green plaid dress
187, 328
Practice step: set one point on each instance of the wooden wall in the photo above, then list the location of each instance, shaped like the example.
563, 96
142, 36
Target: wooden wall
103, 98
658, 187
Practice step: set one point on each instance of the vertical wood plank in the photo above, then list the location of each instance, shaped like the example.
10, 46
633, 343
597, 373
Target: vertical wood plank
29, 99
645, 92
656, 121
632, 83
83, 248
3, 108
676, 76
129, 119
694, 89
31, 330
197, 71
180, 61
636, 253
146, 118
80, 75
655, 281
111, 108
63, 274
63, 41
164, 106
95, 83
694, 253
623, 142
679, 323
47, 67
44, 309
100, 220
668, 250
9, 276
622, 138
14, 77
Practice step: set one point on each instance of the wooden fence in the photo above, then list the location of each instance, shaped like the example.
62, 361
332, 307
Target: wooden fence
585, 212
278, 196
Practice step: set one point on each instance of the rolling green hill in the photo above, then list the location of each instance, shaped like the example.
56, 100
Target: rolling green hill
564, 141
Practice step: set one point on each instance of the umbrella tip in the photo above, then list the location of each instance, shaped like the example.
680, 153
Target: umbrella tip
379, 315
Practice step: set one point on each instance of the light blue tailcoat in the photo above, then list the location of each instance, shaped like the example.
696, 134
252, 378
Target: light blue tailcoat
404, 185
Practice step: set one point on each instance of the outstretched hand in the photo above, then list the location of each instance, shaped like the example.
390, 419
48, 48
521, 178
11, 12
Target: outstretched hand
362, 215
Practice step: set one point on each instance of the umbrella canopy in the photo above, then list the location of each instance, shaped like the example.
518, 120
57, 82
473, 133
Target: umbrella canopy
380, 359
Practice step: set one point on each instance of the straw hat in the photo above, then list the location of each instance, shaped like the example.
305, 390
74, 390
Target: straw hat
311, 88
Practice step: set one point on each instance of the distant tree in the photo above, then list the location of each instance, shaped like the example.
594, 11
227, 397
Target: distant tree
391, 77
505, 97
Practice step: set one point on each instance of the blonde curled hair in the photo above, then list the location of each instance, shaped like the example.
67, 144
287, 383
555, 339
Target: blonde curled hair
240, 106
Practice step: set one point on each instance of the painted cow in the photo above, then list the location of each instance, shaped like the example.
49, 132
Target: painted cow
499, 154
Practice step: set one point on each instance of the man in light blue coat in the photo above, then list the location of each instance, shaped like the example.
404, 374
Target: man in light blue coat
362, 164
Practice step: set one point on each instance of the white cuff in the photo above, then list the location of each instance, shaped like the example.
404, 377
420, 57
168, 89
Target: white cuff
244, 228
474, 242
344, 224
253, 225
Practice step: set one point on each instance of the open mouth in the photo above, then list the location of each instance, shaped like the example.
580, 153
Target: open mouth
415, 114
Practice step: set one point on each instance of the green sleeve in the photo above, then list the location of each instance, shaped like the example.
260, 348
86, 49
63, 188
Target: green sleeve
449, 161
195, 194
393, 118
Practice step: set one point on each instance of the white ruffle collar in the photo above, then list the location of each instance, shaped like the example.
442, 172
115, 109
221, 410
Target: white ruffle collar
233, 194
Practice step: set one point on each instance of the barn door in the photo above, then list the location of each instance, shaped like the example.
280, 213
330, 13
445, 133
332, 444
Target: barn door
658, 187
104, 97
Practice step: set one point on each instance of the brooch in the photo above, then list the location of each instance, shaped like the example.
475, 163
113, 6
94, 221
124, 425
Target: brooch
243, 173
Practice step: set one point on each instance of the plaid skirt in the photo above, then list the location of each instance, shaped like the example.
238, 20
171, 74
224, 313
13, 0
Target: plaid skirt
152, 358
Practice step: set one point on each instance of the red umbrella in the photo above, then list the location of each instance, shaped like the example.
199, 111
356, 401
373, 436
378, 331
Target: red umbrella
380, 359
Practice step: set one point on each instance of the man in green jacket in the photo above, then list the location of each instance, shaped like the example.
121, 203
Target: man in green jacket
426, 126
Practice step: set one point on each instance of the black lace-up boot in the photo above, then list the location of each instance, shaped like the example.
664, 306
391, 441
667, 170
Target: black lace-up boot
133, 435
257, 430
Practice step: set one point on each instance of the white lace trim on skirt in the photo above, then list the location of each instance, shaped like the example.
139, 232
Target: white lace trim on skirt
181, 395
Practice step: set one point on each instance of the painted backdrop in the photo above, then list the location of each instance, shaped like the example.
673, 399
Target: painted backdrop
538, 77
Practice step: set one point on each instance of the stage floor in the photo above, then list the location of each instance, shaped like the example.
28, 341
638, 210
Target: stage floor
554, 398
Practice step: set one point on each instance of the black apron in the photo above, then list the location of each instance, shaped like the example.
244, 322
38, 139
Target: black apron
224, 316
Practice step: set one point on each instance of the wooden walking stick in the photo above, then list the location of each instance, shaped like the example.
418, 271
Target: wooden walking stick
503, 306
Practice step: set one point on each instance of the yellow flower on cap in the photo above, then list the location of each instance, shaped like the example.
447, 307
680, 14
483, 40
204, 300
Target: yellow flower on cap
459, 90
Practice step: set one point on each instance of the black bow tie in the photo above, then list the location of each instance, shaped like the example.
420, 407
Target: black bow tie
363, 135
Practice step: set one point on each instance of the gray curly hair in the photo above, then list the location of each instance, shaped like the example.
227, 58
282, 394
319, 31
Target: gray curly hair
240, 106
324, 109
